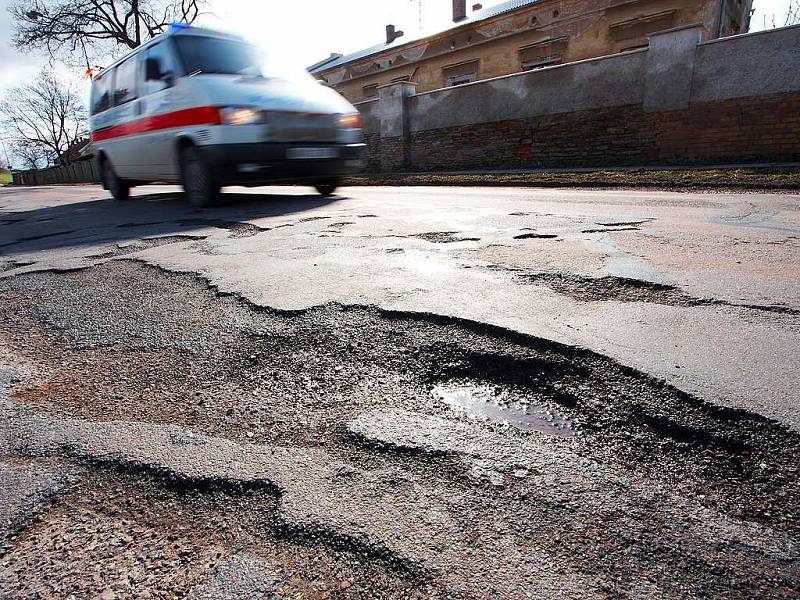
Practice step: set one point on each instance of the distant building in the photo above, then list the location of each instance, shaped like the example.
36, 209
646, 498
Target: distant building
521, 35
78, 150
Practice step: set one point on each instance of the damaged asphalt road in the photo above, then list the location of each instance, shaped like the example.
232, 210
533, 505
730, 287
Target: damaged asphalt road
174, 433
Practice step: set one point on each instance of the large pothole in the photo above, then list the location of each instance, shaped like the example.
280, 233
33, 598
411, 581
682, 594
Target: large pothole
128, 342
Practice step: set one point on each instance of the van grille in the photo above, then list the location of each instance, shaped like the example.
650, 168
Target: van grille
301, 127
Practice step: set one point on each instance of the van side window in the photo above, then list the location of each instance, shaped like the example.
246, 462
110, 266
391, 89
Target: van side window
125, 81
101, 92
159, 56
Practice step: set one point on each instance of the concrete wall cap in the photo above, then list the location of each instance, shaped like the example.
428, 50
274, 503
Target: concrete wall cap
750, 34
363, 102
393, 83
675, 29
536, 71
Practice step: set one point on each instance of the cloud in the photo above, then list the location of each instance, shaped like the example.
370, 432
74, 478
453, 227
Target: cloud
16, 68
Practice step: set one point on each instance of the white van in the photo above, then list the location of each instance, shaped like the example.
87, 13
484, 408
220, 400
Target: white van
206, 109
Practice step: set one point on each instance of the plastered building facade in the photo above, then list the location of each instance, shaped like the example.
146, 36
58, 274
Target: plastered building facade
522, 35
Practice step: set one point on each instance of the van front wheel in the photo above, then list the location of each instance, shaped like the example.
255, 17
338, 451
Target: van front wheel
120, 190
198, 183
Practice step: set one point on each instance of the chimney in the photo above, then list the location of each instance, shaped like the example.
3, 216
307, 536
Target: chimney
459, 10
477, 7
392, 34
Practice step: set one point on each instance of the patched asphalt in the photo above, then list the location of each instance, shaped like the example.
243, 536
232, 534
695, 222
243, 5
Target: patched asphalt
165, 433
333, 411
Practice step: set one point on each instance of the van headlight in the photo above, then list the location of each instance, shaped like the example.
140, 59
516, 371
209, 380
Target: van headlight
351, 121
239, 115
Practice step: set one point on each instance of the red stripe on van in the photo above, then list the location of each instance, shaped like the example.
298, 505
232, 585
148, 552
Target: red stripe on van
201, 115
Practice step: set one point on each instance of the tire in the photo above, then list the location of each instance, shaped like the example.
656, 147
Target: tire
199, 185
326, 188
120, 190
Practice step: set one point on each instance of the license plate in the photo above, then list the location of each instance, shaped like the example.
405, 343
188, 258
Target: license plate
311, 153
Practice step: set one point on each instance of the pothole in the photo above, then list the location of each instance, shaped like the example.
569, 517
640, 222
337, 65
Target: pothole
127, 342
146, 244
35, 238
135, 225
443, 237
623, 289
536, 236
611, 230
624, 223
10, 265
237, 229
497, 405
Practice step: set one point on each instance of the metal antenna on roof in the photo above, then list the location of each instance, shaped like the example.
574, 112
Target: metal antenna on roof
419, 9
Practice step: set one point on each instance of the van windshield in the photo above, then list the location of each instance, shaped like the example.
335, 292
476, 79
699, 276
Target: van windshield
217, 56
210, 55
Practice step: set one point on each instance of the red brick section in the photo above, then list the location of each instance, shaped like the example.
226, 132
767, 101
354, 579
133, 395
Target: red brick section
373, 142
741, 130
735, 130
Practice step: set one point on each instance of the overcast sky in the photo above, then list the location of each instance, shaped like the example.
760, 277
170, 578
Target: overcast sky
305, 30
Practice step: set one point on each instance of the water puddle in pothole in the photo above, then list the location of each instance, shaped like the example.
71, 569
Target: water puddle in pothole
495, 405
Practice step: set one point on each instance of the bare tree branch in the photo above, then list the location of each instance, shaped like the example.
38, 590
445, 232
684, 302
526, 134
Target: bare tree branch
60, 27
792, 17
792, 14
44, 118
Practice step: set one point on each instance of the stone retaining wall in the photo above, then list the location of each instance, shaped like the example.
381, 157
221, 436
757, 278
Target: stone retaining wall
679, 101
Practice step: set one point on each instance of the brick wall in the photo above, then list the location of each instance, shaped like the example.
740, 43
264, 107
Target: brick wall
680, 102
373, 142
741, 130
762, 128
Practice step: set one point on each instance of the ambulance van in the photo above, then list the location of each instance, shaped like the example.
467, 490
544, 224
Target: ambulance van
207, 109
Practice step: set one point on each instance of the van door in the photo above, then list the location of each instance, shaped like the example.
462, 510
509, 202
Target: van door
122, 146
158, 74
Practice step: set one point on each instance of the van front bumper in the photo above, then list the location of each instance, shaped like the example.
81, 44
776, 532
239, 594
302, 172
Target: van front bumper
253, 164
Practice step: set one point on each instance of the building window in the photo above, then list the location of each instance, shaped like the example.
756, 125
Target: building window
640, 27
401, 79
369, 92
548, 61
543, 54
461, 73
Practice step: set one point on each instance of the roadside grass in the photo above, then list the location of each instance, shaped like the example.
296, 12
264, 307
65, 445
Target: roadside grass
754, 179
5, 176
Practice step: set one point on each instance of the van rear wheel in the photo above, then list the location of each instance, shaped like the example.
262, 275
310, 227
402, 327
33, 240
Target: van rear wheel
327, 188
120, 190
198, 182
